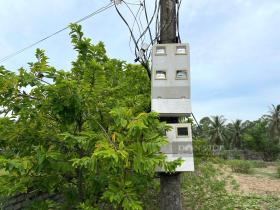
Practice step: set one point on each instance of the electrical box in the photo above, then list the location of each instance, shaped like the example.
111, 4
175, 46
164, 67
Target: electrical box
179, 146
171, 98
171, 91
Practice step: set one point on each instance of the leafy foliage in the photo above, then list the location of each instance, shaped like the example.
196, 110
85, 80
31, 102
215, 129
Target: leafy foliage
83, 133
261, 135
210, 188
203, 190
236, 129
273, 119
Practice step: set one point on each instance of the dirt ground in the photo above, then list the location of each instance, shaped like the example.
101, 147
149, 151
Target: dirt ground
261, 181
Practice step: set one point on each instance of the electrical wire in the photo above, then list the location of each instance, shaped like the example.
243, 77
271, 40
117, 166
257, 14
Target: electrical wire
135, 17
135, 21
126, 23
148, 25
177, 19
165, 26
57, 32
143, 61
142, 27
196, 121
143, 55
147, 51
147, 19
133, 3
157, 36
157, 20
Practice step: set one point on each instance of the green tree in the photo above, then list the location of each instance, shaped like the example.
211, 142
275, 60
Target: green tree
217, 130
81, 133
256, 137
273, 119
236, 130
202, 131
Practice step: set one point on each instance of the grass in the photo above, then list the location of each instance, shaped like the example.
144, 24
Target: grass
258, 163
267, 172
278, 169
256, 202
254, 167
217, 187
240, 166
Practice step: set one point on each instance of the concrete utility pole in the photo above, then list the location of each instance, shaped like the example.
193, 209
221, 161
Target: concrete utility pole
170, 186
168, 21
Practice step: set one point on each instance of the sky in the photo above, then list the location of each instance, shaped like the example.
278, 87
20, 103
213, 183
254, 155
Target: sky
234, 44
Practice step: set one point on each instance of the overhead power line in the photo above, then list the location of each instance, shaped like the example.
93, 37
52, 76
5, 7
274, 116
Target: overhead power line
143, 47
57, 32
198, 125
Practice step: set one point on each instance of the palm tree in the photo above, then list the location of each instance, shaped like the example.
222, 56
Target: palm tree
273, 119
236, 129
217, 130
203, 130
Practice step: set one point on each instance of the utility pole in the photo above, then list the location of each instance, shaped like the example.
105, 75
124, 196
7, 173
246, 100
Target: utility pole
170, 184
168, 21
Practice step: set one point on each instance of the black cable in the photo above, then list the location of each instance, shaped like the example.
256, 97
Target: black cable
95, 13
196, 121
158, 35
143, 62
145, 31
147, 19
140, 22
55, 33
178, 26
157, 20
135, 21
165, 27
131, 33
135, 17
148, 26
146, 55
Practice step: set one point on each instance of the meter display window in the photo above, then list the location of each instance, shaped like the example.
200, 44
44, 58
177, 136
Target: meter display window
160, 74
182, 131
160, 51
181, 74
181, 50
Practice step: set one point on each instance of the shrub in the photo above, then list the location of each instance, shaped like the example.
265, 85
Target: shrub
278, 169
202, 149
204, 189
241, 166
258, 164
